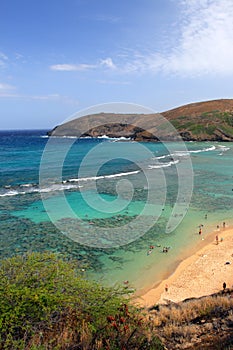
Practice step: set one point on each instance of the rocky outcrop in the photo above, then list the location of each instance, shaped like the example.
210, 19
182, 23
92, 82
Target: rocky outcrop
202, 121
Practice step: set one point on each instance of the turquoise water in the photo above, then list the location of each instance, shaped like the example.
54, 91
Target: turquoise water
36, 212
100, 203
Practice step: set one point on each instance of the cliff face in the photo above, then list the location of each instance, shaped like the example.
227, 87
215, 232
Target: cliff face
202, 121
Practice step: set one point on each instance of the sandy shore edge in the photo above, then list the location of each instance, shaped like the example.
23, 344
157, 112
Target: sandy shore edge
203, 273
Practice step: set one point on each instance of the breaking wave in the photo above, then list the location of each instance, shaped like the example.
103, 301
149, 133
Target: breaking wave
65, 185
163, 165
76, 183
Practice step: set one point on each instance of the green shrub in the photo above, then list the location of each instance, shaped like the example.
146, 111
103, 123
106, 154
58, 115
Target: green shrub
197, 129
176, 123
228, 118
210, 129
227, 129
46, 304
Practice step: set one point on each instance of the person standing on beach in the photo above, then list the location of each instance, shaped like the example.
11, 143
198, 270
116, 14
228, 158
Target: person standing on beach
200, 230
216, 238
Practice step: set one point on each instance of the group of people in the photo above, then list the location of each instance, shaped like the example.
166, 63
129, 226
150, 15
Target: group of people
200, 229
218, 228
150, 250
166, 249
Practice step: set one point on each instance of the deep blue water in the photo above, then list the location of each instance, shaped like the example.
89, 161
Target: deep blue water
20, 154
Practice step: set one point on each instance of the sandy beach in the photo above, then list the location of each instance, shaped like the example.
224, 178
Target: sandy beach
202, 273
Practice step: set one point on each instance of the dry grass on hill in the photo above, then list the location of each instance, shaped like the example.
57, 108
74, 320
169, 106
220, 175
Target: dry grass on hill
205, 323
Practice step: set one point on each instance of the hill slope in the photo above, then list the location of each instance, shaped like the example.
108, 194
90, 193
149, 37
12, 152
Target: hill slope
201, 121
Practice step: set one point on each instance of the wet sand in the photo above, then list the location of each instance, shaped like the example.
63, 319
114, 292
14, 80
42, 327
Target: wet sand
203, 273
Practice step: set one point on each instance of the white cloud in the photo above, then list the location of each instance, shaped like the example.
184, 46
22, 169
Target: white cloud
49, 97
3, 56
18, 56
204, 44
53, 97
4, 87
206, 39
72, 67
3, 59
107, 62
113, 82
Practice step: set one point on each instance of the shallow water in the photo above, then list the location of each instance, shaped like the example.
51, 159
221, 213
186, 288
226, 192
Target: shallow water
92, 203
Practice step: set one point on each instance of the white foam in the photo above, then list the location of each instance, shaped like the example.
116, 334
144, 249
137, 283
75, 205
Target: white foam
104, 137
62, 137
9, 193
187, 153
65, 185
162, 157
122, 174
35, 189
94, 178
58, 187
69, 137
180, 154
163, 165
212, 148
223, 148
122, 138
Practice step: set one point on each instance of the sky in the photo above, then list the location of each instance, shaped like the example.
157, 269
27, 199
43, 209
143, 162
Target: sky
58, 57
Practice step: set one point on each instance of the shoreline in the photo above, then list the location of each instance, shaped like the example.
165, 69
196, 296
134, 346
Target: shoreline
200, 274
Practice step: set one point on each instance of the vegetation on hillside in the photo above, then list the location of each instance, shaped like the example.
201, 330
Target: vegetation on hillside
208, 125
201, 121
203, 323
45, 303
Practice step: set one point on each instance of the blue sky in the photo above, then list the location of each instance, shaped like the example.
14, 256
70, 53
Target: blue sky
61, 56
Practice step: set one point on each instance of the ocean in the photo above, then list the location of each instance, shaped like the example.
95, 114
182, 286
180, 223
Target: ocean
112, 204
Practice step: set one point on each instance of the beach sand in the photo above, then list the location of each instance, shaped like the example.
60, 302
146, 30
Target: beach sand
203, 273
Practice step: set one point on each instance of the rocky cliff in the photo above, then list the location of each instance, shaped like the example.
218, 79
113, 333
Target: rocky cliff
201, 121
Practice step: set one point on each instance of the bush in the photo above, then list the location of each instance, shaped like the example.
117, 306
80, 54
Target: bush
45, 303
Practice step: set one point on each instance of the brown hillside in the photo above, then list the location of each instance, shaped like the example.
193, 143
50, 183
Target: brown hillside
201, 121
196, 109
